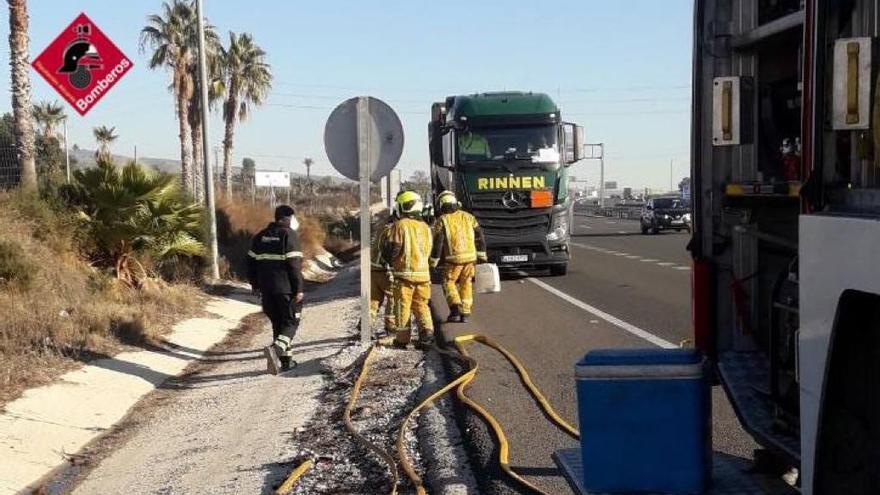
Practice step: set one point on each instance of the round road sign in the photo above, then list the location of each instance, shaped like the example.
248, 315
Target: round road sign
381, 143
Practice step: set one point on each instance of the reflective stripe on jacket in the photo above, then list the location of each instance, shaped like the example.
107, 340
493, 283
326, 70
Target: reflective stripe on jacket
458, 239
275, 261
409, 248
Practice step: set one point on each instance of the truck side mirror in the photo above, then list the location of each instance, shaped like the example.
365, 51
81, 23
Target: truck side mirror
573, 142
580, 144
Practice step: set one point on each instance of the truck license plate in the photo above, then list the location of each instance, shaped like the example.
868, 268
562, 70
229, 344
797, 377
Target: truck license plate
515, 258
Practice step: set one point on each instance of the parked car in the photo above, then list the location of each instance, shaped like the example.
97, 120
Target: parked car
669, 213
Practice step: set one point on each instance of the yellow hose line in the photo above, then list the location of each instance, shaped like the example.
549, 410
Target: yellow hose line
461, 384
533, 389
401, 437
346, 418
293, 477
503, 444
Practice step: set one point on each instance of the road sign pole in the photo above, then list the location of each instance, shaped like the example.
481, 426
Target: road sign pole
364, 154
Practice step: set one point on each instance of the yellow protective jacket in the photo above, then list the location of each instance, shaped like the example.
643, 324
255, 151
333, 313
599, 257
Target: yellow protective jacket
378, 263
408, 249
458, 239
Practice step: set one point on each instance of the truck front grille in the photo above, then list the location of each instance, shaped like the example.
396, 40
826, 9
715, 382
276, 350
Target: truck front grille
512, 225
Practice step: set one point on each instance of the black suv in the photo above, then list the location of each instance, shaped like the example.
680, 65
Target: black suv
665, 214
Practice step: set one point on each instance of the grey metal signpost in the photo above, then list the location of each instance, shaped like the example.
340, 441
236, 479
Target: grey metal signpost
363, 139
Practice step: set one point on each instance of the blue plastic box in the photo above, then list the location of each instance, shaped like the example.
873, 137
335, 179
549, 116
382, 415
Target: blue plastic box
645, 421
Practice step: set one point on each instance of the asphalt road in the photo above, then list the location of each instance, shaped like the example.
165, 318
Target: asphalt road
623, 289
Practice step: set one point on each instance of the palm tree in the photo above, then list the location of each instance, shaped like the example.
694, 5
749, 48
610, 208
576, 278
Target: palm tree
308, 163
105, 137
132, 213
169, 35
48, 116
248, 81
23, 126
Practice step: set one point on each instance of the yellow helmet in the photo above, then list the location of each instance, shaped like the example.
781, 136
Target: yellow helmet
447, 198
409, 202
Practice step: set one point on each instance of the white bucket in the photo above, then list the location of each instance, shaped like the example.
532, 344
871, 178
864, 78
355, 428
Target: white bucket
488, 279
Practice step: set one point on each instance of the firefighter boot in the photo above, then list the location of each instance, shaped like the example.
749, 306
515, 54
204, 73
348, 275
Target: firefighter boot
454, 314
463, 318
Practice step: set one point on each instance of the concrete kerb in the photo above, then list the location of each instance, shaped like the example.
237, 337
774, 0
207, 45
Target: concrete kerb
440, 440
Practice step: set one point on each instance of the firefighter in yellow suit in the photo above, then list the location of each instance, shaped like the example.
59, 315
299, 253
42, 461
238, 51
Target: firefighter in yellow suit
458, 245
408, 248
381, 280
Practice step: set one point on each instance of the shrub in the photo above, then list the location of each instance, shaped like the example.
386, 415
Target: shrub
15, 267
132, 215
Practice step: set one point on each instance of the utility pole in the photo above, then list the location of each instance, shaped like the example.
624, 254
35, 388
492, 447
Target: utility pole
66, 151
671, 179
135, 154
206, 145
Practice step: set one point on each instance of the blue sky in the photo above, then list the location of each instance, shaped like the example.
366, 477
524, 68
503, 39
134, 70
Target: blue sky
621, 68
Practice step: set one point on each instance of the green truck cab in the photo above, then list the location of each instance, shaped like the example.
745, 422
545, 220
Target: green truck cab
506, 156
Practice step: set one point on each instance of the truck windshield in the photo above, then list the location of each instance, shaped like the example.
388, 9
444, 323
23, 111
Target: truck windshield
536, 144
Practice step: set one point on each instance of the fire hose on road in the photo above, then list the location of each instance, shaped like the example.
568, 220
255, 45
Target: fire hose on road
461, 385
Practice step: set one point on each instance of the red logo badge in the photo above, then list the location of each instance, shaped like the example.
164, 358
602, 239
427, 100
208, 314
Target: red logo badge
82, 64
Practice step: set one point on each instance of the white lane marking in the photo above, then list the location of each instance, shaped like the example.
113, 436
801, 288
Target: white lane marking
628, 327
611, 223
622, 232
665, 264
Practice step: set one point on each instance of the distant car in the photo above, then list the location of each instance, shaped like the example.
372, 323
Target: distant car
665, 214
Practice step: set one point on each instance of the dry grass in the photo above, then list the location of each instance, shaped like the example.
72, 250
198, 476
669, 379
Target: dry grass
69, 312
238, 220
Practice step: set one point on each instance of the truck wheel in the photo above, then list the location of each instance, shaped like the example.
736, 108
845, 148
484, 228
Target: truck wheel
655, 230
558, 270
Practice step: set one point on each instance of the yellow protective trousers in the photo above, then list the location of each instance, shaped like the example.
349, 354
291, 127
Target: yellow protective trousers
458, 285
411, 299
381, 292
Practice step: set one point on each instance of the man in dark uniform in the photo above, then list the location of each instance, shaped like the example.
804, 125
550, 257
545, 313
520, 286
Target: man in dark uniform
275, 271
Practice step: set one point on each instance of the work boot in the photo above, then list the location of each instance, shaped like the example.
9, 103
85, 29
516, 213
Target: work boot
287, 363
273, 362
454, 314
398, 345
464, 318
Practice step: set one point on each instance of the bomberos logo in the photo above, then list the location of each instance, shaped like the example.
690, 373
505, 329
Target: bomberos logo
82, 64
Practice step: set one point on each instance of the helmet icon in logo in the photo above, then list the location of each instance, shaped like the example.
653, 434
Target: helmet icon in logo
80, 58
511, 200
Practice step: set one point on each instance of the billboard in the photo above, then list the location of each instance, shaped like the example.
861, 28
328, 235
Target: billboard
611, 185
265, 178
